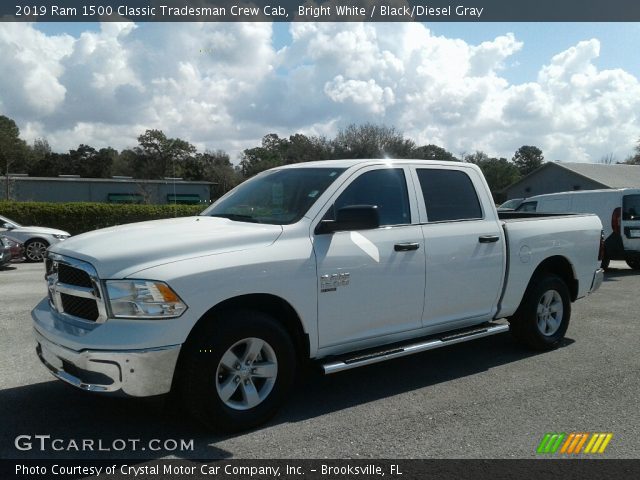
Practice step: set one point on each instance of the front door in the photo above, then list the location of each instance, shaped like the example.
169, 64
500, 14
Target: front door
371, 282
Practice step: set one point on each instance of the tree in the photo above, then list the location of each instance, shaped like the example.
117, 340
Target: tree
301, 148
13, 150
500, 173
158, 156
276, 151
219, 170
40, 149
269, 155
635, 159
527, 158
88, 162
432, 152
607, 159
371, 141
476, 158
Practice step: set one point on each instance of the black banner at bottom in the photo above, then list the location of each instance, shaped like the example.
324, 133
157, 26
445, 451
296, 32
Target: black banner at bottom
561, 469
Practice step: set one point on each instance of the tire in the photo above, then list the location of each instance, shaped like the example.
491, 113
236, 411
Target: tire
34, 250
238, 370
605, 263
542, 318
634, 263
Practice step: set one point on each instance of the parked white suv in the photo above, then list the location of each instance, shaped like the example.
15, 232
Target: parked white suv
36, 240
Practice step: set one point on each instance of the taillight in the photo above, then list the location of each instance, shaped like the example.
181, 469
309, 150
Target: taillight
601, 250
615, 220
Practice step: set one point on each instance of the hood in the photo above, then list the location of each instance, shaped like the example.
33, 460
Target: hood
123, 250
39, 230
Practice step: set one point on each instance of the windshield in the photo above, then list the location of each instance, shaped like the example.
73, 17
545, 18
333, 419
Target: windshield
278, 197
4, 220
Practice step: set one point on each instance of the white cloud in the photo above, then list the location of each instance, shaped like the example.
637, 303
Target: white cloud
226, 85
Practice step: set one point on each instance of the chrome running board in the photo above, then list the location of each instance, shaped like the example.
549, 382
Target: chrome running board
388, 352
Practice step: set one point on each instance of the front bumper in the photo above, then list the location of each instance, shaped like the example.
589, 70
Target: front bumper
135, 373
598, 277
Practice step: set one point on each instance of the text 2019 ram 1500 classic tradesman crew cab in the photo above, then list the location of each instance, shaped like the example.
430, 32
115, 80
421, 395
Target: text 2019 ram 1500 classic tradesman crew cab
344, 262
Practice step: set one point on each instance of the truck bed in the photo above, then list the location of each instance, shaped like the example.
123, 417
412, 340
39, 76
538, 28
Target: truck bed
534, 237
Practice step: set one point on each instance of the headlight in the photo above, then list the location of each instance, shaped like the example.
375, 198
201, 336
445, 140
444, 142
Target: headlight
143, 299
60, 236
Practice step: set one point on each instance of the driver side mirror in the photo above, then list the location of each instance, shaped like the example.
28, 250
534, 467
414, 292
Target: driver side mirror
8, 226
353, 217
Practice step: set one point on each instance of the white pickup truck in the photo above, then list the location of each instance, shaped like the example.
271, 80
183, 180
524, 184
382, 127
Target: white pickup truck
346, 263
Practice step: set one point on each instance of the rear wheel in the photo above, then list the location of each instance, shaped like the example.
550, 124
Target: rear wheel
239, 370
542, 319
634, 263
34, 250
605, 263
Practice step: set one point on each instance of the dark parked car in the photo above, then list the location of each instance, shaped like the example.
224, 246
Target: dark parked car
17, 248
5, 251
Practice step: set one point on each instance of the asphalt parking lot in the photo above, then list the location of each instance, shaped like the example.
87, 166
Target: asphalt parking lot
484, 399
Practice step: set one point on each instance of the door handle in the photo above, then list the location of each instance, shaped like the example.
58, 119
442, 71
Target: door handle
405, 247
488, 238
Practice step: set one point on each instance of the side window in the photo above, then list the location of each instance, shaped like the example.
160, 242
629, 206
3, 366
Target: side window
527, 207
386, 188
631, 207
449, 195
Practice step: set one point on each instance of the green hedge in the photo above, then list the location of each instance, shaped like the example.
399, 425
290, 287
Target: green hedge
82, 217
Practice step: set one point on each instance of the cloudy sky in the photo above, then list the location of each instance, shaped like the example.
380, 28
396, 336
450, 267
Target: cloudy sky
571, 89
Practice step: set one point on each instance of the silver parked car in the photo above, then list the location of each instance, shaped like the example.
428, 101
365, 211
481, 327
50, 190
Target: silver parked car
35, 239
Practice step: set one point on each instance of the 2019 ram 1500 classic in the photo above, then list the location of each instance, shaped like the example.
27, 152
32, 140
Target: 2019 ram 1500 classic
346, 262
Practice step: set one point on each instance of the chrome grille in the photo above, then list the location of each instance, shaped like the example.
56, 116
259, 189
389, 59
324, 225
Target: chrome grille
73, 276
74, 289
80, 307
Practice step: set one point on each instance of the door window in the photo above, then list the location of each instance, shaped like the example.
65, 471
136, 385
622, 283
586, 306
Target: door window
386, 188
449, 195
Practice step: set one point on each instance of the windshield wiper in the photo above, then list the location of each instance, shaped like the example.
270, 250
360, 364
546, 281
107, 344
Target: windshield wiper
237, 217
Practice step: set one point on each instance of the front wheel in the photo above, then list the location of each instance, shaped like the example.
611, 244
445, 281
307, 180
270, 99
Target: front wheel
542, 319
239, 370
34, 250
634, 263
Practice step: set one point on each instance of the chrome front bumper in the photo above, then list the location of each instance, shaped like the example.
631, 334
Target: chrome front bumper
598, 277
135, 373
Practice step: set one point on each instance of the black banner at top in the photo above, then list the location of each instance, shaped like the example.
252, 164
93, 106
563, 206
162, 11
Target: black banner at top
321, 10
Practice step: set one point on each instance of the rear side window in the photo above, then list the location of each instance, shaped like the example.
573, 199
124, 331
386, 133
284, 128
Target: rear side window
527, 207
449, 195
631, 207
386, 188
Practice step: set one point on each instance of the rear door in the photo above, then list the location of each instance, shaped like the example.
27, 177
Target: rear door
464, 244
630, 226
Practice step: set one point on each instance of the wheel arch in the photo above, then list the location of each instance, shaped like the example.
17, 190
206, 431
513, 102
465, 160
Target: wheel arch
34, 239
561, 267
270, 304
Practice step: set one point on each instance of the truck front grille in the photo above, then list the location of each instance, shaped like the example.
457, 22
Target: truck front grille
73, 276
80, 307
74, 288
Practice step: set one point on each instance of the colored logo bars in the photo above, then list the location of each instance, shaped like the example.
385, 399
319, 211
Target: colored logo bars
573, 443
